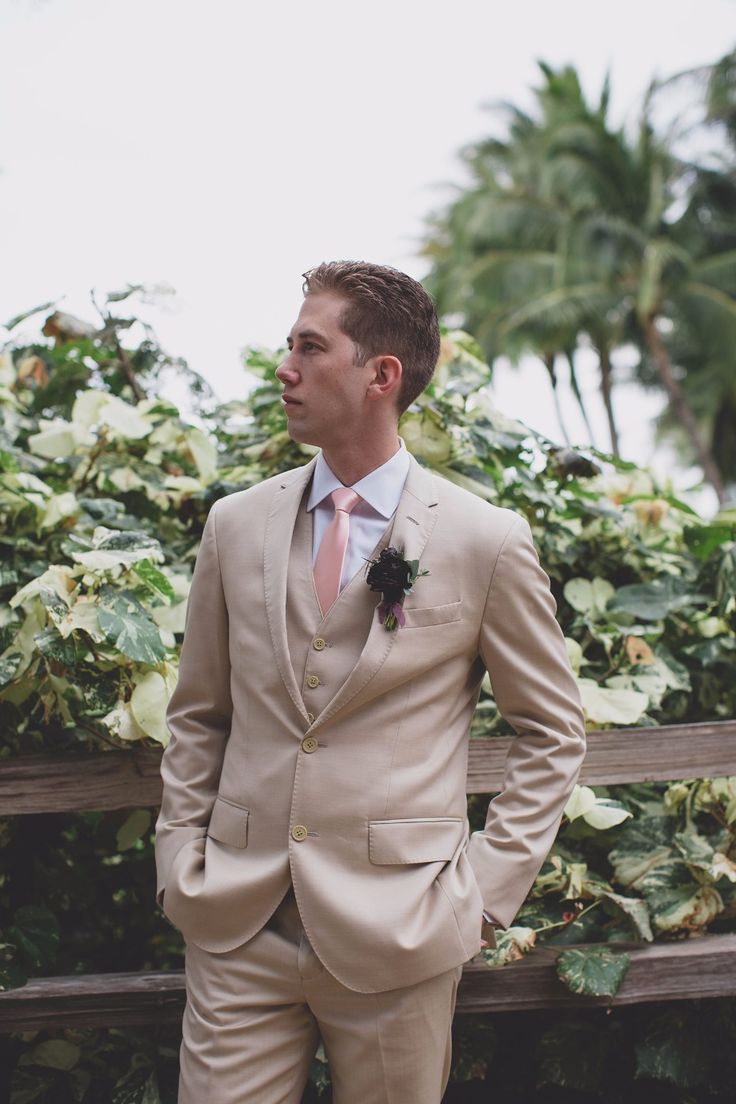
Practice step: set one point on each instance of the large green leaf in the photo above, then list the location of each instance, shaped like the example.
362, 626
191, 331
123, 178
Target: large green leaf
137, 1087
655, 601
149, 700
703, 539
11, 974
473, 1046
113, 548
135, 825
611, 705
572, 1054
592, 971
642, 845
9, 666
677, 901
35, 932
590, 596
154, 579
126, 625
673, 1049
54, 646
633, 908
59, 1054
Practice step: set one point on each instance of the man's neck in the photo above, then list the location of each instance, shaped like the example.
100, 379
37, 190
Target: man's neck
351, 464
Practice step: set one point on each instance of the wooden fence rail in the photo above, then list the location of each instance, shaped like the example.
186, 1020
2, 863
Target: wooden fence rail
130, 779
704, 966
692, 968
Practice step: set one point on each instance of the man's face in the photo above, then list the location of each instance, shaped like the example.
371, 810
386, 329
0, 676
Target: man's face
324, 389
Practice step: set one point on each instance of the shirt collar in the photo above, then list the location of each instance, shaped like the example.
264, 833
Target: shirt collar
381, 488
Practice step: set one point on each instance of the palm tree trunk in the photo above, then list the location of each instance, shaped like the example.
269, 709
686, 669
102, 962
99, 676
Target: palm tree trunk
681, 407
578, 395
604, 359
549, 364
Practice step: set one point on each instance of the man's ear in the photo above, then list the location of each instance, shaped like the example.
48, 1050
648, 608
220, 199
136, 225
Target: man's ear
386, 378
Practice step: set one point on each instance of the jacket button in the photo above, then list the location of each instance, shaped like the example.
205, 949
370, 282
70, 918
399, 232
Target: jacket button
312, 681
299, 833
309, 744
318, 644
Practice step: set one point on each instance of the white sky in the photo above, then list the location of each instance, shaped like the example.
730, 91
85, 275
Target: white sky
223, 148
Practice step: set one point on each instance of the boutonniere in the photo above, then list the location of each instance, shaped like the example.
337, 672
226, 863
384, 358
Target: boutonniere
394, 577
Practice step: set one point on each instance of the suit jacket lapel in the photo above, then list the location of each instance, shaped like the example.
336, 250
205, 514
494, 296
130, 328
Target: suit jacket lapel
414, 520
279, 529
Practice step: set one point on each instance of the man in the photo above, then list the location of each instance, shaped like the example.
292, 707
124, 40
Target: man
313, 844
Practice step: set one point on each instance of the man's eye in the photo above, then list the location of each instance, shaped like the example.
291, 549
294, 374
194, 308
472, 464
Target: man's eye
309, 346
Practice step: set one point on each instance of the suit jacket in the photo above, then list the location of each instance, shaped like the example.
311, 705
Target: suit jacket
357, 796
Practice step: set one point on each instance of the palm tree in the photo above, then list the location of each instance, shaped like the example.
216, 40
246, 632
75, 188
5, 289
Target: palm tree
591, 247
512, 238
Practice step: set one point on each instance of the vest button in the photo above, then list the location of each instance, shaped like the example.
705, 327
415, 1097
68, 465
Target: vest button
299, 833
309, 744
318, 644
312, 681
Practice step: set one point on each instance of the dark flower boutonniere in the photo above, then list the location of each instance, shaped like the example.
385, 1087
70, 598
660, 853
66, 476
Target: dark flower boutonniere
394, 577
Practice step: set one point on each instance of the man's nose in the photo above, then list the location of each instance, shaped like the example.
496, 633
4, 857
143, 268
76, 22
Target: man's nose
286, 373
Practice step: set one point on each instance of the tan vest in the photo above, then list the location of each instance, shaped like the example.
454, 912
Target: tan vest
324, 650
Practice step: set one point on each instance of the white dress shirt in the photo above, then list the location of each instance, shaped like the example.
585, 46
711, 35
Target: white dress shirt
380, 490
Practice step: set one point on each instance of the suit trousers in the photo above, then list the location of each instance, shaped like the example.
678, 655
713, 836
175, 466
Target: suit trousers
254, 1017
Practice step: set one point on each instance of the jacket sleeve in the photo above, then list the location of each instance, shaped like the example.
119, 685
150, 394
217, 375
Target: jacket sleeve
523, 649
199, 713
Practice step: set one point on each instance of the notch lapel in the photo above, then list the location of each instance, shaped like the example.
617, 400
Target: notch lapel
414, 521
279, 530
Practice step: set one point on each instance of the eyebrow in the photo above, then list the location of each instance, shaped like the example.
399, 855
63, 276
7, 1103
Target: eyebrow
302, 334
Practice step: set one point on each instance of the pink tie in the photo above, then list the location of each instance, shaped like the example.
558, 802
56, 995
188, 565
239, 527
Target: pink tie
331, 556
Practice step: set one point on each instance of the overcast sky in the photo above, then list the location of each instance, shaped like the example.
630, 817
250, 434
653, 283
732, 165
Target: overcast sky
223, 148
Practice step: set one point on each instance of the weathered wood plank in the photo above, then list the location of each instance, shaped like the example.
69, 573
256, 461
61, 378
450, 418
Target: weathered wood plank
706, 750
93, 1000
130, 779
73, 783
699, 967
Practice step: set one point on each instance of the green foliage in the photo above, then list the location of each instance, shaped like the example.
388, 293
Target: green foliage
103, 499
98, 1067
591, 971
572, 1055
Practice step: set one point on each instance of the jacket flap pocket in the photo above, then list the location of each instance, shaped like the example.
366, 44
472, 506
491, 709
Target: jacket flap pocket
432, 615
432, 839
229, 823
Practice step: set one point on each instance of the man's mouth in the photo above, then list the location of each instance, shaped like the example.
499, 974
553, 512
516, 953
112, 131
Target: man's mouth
288, 401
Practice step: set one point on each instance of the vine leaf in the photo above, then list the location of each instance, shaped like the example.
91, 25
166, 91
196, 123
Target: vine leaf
592, 972
35, 933
11, 975
126, 625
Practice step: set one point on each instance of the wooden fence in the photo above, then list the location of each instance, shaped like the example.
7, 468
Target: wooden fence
703, 966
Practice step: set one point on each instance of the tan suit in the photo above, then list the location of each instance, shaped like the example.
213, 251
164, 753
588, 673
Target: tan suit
331, 754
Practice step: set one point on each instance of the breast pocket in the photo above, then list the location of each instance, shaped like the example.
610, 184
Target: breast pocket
229, 823
423, 617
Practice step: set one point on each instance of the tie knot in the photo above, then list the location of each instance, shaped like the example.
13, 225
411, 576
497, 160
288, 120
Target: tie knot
344, 499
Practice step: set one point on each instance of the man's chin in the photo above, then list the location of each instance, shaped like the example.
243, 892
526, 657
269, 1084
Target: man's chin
301, 435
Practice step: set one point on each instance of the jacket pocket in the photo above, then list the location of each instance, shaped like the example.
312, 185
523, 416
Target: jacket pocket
431, 839
417, 618
229, 823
